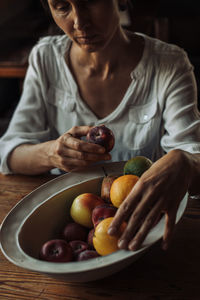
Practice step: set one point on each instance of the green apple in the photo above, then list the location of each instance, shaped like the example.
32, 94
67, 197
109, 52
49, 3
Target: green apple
82, 207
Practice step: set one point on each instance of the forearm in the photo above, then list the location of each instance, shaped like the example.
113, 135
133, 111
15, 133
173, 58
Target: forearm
30, 159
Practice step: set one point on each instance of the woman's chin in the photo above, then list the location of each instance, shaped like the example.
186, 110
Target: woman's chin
90, 47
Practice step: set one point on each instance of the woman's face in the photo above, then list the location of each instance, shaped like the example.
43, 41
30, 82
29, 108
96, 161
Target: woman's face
91, 24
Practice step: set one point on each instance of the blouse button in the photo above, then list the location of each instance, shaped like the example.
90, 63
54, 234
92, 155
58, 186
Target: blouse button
145, 117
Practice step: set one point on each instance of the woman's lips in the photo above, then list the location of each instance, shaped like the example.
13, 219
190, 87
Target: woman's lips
86, 39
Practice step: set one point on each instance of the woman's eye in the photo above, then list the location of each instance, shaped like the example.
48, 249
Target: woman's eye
63, 7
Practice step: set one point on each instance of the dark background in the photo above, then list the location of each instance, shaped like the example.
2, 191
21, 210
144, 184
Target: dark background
23, 22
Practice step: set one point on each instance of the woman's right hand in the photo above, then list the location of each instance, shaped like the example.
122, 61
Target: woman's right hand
70, 153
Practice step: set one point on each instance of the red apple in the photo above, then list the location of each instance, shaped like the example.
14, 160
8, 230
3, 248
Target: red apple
101, 135
78, 247
74, 231
102, 212
105, 187
82, 207
87, 254
90, 238
56, 251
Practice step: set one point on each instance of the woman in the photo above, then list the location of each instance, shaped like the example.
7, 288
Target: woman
143, 89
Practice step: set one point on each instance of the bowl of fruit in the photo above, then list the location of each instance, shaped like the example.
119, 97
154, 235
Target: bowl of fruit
60, 229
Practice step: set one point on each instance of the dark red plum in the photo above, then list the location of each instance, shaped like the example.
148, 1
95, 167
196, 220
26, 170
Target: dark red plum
74, 231
106, 186
87, 254
102, 212
78, 247
90, 238
101, 135
57, 250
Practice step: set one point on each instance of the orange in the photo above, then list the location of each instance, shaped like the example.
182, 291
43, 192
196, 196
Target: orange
104, 243
121, 187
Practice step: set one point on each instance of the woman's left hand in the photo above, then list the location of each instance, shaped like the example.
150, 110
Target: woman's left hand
160, 189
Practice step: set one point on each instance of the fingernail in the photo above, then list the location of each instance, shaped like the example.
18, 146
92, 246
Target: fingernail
101, 150
133, 246
111, 230
122, 244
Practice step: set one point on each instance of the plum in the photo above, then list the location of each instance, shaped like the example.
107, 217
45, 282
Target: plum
102, 212
56, 250
101, 135
87, 254
106, 186
90, 238
78, 247
74, 231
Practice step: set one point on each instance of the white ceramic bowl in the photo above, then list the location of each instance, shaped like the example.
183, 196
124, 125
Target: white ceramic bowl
42, 213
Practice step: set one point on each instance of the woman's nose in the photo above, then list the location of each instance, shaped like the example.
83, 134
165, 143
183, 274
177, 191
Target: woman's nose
81, 19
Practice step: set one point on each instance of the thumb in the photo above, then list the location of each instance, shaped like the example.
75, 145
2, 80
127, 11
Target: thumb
170, 220
79, 131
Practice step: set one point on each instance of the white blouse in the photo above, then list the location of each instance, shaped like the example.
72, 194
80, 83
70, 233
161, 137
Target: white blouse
158, 112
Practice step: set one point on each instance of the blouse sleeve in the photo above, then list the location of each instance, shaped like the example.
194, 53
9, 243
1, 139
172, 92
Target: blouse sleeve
29, 121
180, 115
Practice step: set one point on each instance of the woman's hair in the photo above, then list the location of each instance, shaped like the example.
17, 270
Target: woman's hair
45, 4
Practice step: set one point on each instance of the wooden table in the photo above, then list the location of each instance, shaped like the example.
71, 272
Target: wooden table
170, 275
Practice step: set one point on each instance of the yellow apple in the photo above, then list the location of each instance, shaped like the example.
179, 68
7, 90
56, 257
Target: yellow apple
82, 207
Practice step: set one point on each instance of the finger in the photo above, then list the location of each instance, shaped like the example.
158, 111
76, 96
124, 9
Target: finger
146, 226
170, 220
80, 145
123, 212
139, 213
68, 164
67, 152
130, 203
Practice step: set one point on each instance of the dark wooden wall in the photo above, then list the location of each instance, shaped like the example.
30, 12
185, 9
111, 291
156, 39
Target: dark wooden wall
183, 18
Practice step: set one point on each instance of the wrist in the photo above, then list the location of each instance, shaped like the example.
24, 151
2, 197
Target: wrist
193, 163
48, 155
184, 162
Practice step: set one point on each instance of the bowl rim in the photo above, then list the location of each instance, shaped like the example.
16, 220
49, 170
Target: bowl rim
15, 219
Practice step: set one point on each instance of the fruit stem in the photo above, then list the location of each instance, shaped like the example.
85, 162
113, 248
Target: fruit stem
104, 171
